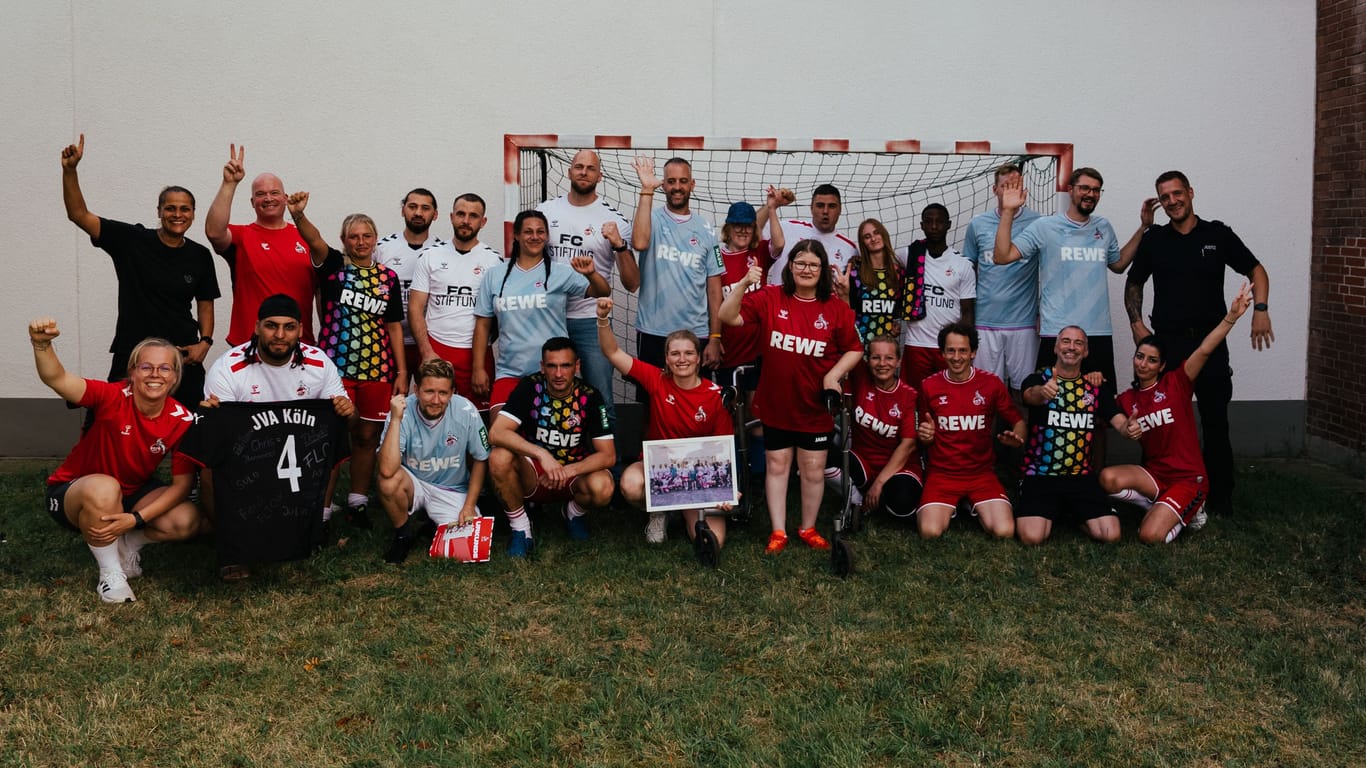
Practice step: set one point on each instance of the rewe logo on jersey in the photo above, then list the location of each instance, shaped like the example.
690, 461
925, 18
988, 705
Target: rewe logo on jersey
1069, 253
963, 423
1156, 419
788, 342
514, 303
869, 420
1068, 420
372, 304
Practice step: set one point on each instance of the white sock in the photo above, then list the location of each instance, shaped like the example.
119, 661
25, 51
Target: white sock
1132, 497
518, 520
573, 510
108, 557
1173, 533
327, 513
855, 495
356, 499
135, 540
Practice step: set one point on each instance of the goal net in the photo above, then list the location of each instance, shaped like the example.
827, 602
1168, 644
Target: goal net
891, 181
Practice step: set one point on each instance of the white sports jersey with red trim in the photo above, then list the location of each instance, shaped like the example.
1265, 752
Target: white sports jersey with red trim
881, 418
394, 252
236, 379
576, 230
1171, 445
949, 278
839, 248
451, 281
964, 415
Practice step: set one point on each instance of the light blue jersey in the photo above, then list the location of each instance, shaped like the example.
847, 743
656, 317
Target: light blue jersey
1007, 294
1074, 274
528, 310
435, 453
673, 275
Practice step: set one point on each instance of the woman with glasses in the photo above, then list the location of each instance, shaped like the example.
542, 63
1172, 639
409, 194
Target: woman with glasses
105, 489
809, 343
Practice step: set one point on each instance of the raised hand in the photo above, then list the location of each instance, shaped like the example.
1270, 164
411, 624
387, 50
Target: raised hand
397, 405
583, 265
1049, 388
1013, 193
645, 171
297, 202
71, 156
233, 170
604, 308
925, 430
1146, 209
612, 233
43, 330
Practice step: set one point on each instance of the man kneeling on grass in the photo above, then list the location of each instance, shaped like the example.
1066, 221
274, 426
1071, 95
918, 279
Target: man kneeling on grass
432, 457
552, 442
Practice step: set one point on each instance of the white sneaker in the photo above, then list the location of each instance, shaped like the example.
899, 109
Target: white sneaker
114, 588
654, 530
130, 559
1199, 520
855, 497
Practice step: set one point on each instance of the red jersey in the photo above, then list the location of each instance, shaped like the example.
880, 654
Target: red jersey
801, 341
123, 443
1171, 446
964, 420
881, 419
677, 412
265, 262
741, 342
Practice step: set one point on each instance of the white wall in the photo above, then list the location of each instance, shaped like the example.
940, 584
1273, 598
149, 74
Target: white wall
359, 101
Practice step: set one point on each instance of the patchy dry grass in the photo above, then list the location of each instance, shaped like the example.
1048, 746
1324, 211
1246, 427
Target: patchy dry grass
1242, 645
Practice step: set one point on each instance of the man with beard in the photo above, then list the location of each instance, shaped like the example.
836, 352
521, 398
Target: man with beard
1073, 249
583, 224
267, 256
1186, 260
401, 250
444, 291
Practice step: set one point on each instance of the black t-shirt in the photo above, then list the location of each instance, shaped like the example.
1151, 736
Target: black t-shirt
566, 427
1188, 273
271, 463
158, 284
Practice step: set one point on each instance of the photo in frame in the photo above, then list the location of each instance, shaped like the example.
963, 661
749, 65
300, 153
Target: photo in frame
690, 473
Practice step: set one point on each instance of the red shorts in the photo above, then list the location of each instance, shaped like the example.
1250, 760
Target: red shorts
371, 398
1184, 495
946, 489
919, 362
462, 360
542, 494
502, 389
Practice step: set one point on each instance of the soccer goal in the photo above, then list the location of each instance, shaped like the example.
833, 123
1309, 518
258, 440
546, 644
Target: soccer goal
888, 180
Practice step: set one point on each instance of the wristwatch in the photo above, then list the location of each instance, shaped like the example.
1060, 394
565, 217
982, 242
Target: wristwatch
207, 340
1259, 306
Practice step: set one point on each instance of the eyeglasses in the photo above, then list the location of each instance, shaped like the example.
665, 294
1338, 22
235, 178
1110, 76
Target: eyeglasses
1087, 189
806, 266
146, 369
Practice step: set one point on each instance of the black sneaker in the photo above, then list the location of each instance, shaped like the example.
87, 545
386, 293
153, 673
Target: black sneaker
359, 516
398, 551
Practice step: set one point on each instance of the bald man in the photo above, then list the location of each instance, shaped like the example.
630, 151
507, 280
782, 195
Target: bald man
267, 256
582, 224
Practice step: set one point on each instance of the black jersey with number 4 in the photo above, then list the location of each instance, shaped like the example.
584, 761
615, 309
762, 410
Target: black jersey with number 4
271, 463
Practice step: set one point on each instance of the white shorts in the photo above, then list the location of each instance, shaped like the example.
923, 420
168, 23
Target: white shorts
1008, 353
441, 504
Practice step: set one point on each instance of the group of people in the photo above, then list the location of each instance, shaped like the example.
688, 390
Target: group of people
453, 367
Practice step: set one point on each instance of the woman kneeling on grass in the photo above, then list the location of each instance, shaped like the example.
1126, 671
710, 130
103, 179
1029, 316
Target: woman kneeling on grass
682, 404
1172, 484
105, 489
809, 343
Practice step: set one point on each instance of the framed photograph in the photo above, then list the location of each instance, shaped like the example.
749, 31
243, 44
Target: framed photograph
690, 473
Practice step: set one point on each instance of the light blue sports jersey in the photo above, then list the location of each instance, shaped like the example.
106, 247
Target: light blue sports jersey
673, 275
1007, 294
435, 453
528, 311
1074, 276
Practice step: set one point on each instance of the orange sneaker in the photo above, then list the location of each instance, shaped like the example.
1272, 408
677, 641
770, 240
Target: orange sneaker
813, 539
776, 542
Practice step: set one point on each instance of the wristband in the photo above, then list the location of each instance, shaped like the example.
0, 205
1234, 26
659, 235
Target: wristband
647, 191
139, 523
207, 340
1259, 306
622, 247
713, 335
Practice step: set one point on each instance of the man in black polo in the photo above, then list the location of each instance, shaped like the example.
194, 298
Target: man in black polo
1186, 260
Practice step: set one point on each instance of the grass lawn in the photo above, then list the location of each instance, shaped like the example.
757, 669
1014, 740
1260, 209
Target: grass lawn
1240, 645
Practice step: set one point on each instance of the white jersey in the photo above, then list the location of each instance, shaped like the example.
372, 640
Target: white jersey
576, 230
234, 378
839, 248
394, 252
949, 278
451, 281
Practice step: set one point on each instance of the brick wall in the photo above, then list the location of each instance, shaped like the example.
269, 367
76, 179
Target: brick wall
1336, 392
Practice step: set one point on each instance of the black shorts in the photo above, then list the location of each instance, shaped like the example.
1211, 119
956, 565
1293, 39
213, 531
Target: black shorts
776, 439
1056, 498
56, 500
1100, 356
